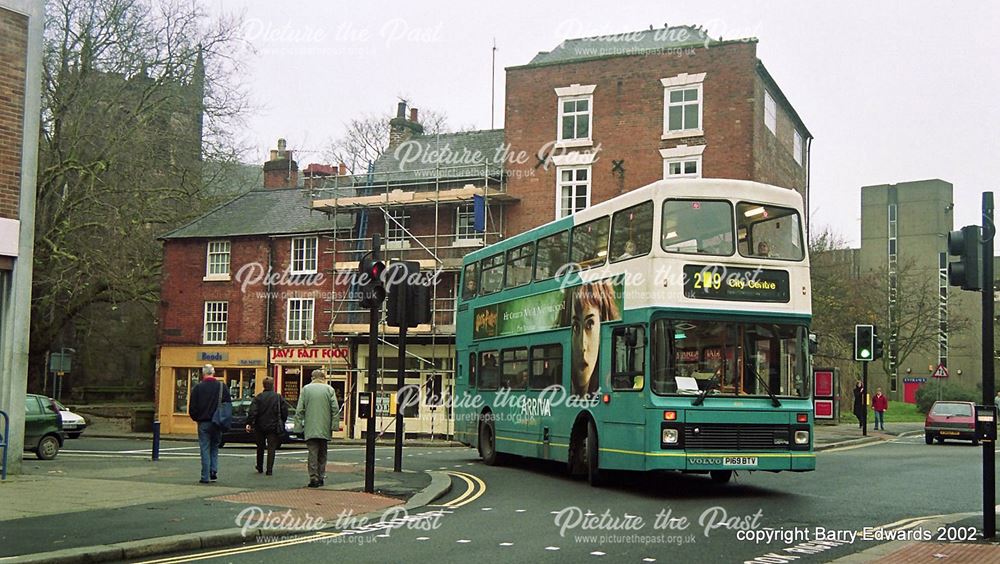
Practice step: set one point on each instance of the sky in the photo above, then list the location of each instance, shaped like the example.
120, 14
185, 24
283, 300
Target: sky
891, 91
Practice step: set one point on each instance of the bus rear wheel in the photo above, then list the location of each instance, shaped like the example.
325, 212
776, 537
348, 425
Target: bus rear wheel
591, 456
488, 441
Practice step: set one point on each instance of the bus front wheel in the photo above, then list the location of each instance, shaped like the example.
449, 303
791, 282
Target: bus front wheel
488, 441
721, 476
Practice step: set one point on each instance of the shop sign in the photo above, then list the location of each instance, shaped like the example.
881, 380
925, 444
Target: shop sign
309, 355
212, 356
251, 362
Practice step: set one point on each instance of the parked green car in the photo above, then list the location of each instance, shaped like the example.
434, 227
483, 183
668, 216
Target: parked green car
43, 431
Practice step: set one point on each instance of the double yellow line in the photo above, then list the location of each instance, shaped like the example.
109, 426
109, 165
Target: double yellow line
475, 488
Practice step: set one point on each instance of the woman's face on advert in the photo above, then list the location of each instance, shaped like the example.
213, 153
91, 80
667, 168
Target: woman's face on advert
586, 340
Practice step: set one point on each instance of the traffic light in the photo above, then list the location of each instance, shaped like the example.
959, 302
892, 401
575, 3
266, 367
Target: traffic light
864, 342
404, 278
967, 272
370, 282
878, 347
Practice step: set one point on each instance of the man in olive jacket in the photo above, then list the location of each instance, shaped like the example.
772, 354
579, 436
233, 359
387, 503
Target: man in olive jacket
318, 415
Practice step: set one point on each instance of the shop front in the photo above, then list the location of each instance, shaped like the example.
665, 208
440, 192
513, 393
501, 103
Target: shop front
427, 387
242, 369
292, 369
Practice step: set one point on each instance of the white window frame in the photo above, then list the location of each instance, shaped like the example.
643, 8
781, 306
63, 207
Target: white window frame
303, 332
683, 81
300, 262
215, 313
797, 147
226, 249
683, 162
682, 154
466, 237
397, 237
560, 185
770, 115
573, 93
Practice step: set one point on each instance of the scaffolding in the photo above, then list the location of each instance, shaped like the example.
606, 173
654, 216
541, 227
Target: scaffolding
441, 199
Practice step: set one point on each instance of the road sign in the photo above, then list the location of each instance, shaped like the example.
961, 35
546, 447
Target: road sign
941, 372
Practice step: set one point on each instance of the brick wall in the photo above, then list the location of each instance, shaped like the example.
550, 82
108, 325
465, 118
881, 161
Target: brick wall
628, 122
13, 64
184, 291
774, 162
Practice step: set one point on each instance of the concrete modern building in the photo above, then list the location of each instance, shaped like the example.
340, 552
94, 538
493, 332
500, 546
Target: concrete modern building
904, 234
21, 23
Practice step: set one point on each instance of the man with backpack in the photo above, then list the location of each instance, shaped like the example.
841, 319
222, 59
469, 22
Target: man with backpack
206, 397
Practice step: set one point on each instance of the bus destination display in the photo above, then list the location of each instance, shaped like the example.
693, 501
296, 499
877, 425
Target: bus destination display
735, 284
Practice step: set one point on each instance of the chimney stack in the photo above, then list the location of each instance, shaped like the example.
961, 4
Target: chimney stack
342, 169
281, 171
401, 129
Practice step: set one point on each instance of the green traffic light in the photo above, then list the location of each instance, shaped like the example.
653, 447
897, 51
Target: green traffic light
865, 353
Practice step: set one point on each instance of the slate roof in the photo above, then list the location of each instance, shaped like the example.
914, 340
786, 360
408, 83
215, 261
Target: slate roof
263, 211
444, 155
624, 44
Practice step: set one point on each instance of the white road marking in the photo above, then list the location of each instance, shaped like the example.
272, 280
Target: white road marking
423, 538
487, 509
520, 510
506, 544
552, 548
463, 541
597, 553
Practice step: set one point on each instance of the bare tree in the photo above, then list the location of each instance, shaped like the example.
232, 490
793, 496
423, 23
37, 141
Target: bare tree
137, 96
365, 138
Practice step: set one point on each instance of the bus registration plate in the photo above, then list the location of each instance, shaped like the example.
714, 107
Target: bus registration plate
739, 461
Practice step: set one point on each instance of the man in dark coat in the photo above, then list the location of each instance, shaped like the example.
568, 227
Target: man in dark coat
204, 402
267, 416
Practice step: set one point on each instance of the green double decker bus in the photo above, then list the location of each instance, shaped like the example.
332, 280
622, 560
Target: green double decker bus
664, 329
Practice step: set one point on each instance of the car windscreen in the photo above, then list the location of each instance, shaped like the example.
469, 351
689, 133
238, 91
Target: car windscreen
960, 409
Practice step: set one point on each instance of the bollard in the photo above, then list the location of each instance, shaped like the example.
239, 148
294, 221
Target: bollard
156, 439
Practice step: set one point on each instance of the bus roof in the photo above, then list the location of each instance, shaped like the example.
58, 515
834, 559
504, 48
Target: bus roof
716, 188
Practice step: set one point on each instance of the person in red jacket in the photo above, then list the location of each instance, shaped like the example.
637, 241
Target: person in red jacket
880, 403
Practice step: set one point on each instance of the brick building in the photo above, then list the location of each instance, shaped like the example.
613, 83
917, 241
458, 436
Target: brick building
599, 116
243, 284
21, 24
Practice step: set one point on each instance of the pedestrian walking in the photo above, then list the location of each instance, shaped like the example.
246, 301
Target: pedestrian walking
860, 409
880, 404
318, 415
266, 418
205, 399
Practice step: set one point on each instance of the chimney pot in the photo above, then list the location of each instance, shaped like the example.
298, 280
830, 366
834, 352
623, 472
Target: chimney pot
342, 169
413, 114
401, 110
281, 145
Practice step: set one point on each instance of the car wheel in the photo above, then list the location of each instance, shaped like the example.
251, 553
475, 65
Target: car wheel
591, 456
488, 441
721, 476
928, 438
74, 435
48, 448
940, 440
975, 442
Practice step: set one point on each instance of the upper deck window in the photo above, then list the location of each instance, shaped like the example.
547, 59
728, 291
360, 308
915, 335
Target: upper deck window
590, 243
699, 227
769, 232
632, 232
470, 281
492, 274
553, 253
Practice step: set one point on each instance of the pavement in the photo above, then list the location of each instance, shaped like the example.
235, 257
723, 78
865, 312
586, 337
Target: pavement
103, 503
830, 436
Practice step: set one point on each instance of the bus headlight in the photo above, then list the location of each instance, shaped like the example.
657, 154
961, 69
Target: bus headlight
669, 436
801, 437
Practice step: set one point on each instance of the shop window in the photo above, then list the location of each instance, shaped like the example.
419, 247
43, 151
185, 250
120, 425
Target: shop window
185, 379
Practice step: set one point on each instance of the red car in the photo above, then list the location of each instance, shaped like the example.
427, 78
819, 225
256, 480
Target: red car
951, 420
